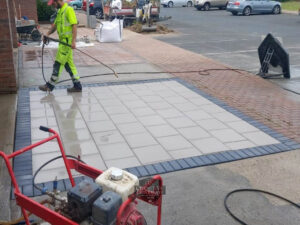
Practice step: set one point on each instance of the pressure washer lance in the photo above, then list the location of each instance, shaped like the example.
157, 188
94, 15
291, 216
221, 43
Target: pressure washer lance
47, 39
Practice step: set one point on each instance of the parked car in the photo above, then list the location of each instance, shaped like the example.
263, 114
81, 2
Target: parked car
248, 7
172, 3
207, 4
76, 4
95, 8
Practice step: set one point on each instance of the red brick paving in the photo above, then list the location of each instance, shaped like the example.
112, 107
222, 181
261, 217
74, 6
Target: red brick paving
254, 96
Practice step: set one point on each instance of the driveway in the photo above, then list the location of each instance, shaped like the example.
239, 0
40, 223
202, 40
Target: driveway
233, 40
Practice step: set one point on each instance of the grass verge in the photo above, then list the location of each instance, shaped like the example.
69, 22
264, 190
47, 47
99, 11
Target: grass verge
291, 5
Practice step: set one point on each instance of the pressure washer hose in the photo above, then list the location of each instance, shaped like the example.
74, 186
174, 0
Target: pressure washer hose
204, 72
46, 42
255, 191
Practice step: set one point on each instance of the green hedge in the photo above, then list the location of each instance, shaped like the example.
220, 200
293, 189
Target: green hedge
43, 10
286, 0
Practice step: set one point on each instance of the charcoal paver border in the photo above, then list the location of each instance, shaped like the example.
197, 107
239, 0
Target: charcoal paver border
23, 163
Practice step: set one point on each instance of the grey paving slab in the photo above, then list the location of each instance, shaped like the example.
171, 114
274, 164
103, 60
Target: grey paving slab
101, 126
123, 118
115, 151
187, 106
111, 102
135, 104
191, 133
227, 135
199, 101
152, 154
116, 110
94, 160
139, 112
81, 148
181, 122
123, 163
160, 105
109, 137
150, 98
260, 138
90, 108
169, 113
134, 124
242, 127
226, 117
146, 94
131, 128
95, 116
210, 145
162, 130
140, 140
198, 115
76, 135
184, 153
240, 145
175, 99
211, 124
152, 120
128, 97
174, 142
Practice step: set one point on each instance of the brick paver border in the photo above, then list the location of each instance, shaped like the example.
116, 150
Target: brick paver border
23, 163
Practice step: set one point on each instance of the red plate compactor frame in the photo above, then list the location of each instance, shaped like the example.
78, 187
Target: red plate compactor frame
144, 194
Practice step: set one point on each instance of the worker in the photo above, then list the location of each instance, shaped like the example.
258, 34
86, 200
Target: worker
66, 26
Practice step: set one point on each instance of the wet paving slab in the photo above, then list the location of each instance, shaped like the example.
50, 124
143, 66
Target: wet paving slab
147, 127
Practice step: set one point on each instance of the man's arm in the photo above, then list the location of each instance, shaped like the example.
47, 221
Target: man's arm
52, 29
74, 35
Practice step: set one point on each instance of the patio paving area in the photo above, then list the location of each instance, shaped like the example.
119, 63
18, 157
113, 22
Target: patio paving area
128, 125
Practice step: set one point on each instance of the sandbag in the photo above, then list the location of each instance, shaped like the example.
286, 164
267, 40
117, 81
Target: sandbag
110, 31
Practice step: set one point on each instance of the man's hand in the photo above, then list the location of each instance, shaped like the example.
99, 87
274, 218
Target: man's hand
73, 45
45, 39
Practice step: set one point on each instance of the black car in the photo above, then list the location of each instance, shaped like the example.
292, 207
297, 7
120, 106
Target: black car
95, 8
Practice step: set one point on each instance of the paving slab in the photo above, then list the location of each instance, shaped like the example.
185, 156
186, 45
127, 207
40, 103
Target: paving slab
128, 129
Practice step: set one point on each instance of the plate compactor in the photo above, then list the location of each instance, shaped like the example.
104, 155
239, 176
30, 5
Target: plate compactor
108, 198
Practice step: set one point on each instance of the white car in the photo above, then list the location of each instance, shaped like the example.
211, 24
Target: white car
172, 3
207, 4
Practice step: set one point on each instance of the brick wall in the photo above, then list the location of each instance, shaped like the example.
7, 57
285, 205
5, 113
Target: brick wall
13, 23
26, 8
7, 42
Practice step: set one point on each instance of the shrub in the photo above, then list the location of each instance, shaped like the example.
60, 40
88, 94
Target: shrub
43, 10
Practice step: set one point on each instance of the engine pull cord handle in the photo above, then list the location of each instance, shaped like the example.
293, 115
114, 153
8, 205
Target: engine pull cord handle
46, 40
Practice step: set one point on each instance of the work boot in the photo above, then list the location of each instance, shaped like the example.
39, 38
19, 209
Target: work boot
46, 87
77, 87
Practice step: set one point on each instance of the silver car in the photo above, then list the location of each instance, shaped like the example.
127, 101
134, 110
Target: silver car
248, 7
173, 3
207, 4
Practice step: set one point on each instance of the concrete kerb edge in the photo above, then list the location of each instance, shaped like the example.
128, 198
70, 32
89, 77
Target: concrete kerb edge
290, 12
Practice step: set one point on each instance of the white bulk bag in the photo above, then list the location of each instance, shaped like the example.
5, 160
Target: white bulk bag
110, 31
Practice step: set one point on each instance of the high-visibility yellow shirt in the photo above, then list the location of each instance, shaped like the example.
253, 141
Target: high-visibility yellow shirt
65, 18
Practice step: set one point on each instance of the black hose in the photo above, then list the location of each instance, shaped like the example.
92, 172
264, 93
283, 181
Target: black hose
253, 190
43, 47
46, 163
204, 72
200, 72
